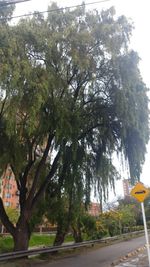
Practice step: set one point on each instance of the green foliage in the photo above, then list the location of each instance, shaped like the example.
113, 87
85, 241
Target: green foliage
68, 69
13, 214
38, 215
71, 96
111, 221
6, 244
131, 212
88, 225
6, 12
122, 218
128, 218
101, 230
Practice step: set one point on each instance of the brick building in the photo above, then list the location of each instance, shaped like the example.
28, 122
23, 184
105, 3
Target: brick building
8, 189
126, 187
94, 209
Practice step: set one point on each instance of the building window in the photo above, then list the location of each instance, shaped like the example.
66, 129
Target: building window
8, 186
7, 204
7, 195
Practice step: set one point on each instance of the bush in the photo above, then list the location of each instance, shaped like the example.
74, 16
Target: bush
148, 224
101, 231
133, 228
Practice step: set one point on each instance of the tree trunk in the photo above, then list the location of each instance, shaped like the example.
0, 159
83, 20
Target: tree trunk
77, 235
60, 237
22, 236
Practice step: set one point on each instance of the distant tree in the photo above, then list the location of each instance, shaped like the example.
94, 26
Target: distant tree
128, 217
6, 12
133, 207
111, 220
69, 86
116, 221
89, 225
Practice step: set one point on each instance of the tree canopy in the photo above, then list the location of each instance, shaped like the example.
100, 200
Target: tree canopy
71, 96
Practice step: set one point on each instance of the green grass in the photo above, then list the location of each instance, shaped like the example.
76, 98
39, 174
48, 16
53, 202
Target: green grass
41, 240
69, 238
6, 242
45, 240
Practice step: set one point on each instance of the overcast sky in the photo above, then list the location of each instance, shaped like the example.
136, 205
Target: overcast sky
139, 12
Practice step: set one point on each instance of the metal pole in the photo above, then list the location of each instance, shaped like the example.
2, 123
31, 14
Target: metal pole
146, 232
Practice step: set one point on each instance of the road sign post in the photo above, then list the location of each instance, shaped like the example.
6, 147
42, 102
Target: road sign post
140, 192
146, 232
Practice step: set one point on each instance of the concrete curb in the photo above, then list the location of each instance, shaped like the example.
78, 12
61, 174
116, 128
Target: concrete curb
130, 254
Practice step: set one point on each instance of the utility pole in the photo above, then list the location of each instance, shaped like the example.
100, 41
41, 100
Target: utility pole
4, 3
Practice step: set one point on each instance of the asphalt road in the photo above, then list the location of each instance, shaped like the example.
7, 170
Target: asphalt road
102, 257
98, 257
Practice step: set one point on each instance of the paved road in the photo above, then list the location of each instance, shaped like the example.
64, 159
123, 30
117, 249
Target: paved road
102, 257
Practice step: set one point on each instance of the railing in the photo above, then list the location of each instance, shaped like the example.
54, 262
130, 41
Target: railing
37, 251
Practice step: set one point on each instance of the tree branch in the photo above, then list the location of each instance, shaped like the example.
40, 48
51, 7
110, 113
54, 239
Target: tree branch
89, 130
3, 105
5, 220
47, 179
23, 182
39, 168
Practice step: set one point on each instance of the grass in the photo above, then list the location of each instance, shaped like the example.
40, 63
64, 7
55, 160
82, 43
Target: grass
6, 242
41, 240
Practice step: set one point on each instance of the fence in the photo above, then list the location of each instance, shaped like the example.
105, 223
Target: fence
38, 251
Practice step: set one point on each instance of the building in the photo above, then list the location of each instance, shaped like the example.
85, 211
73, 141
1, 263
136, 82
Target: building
127, 187
94, 209
9, 190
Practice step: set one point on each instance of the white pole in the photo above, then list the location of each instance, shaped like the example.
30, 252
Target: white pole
146, 232
2, 231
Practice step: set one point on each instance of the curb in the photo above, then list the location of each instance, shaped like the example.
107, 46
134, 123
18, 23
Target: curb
130, 254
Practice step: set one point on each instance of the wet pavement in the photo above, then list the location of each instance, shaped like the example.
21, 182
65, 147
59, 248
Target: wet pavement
138, 260
128, 253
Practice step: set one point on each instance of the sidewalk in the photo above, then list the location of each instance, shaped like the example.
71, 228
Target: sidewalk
138, 258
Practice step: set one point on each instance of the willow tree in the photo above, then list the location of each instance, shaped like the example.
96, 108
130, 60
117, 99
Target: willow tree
68, 81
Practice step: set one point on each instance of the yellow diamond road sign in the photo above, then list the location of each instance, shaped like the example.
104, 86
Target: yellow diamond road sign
140, 192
